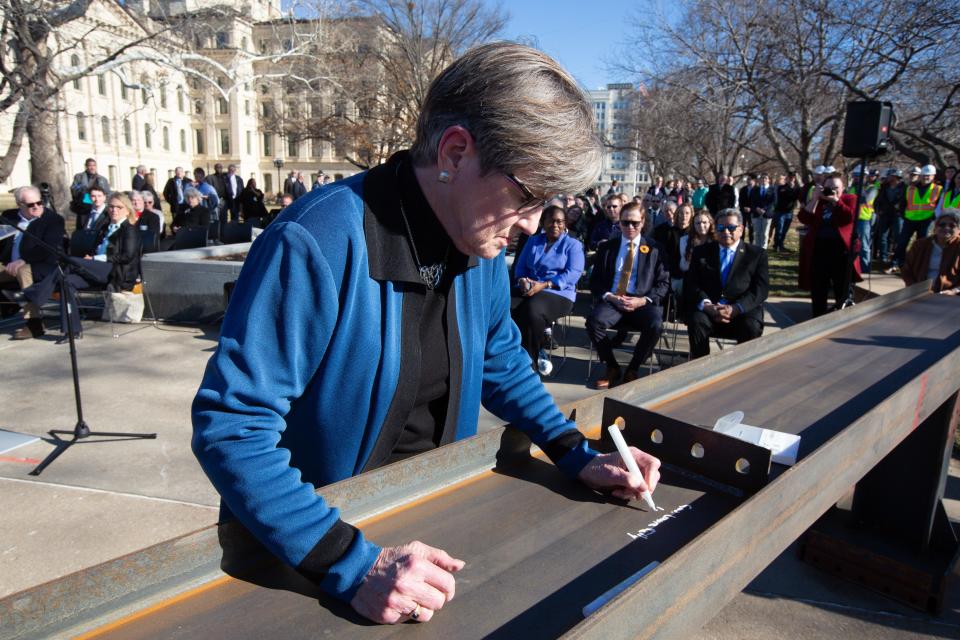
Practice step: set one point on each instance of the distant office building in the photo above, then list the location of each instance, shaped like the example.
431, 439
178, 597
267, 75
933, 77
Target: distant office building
612, 108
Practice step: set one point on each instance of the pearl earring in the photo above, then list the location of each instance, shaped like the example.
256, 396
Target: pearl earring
444, 177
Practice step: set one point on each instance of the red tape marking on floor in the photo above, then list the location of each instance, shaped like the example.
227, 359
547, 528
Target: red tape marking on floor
23, 460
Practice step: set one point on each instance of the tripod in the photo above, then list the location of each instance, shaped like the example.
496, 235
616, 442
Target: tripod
81, 430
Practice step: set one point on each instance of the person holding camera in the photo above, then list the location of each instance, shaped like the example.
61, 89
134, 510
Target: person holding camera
825, 258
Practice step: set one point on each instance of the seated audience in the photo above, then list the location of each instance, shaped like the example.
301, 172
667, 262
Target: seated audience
546, 274
150, 205
825, 256
144, 219
606, 228
629, 282
96, 215
701, 232
23, 258
251, 204
725, 287
194, 214
119, 244
936, 257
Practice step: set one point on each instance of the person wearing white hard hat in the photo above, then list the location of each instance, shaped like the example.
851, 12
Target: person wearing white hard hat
889, 206
920, 202
818, 174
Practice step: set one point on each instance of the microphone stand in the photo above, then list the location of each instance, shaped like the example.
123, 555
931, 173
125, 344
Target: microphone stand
81, 430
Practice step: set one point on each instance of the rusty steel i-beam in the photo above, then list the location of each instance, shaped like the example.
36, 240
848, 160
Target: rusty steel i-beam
539, 547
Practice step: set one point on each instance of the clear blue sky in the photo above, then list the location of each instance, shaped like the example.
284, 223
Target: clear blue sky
583, 35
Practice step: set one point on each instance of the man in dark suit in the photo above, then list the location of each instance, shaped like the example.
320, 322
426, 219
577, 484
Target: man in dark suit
725, 287
233, 187
82, 182
720, 195
96, 216
140, 178
629, 282
173, 191
23, 259
763, 199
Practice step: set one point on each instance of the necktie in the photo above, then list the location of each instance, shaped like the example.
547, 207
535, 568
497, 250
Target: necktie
727, 262
625, 271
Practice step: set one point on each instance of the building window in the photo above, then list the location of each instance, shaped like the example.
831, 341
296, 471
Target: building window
183, 140
225, 141
75, 62
267, 109
101, 85
200, 146
180, 99
163, 96
147, 137
124, 92
223, 108
105, 128
267, 144
127, 133
293, 148
243, 43
166, 138
246, 107
198, 106
223, 39
316, 148
145, 94
249, 138
81, 126
268, 182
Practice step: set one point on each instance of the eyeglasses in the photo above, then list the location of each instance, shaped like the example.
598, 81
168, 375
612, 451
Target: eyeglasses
613, 206
30, 205
727, 227
530, 199
631, 223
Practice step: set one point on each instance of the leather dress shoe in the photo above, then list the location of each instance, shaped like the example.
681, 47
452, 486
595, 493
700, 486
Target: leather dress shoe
630, 376
34, 329
610, 378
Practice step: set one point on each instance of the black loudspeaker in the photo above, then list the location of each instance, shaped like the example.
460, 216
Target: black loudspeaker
866, 132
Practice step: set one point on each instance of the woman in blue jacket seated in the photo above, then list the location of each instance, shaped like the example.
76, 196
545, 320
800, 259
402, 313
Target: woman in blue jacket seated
546, 276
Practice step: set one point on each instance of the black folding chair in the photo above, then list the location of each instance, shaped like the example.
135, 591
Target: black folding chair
190, 238
237, 232
149, 242
83, 242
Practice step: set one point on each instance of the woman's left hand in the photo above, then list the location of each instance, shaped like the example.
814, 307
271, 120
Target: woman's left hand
535, 288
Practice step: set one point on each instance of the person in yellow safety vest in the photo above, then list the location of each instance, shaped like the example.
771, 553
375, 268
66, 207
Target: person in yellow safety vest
921, 202
819, 173
950, 198
865, 216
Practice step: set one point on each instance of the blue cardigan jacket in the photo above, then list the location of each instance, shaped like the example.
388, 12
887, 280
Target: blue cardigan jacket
307, 367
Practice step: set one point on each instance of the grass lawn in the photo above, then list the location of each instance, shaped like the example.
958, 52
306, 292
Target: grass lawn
784, 268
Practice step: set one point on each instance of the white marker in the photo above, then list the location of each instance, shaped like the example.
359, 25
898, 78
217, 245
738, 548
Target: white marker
628, 459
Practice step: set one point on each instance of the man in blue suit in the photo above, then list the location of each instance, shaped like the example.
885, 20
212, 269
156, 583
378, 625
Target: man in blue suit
629, 282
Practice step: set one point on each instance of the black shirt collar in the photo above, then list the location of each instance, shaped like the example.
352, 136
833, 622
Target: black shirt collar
389, 248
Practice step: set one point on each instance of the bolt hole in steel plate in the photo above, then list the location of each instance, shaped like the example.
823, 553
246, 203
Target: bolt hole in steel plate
697, 450
656, 436
742, 466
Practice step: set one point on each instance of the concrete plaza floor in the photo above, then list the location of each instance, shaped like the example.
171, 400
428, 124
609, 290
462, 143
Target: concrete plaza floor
102, 499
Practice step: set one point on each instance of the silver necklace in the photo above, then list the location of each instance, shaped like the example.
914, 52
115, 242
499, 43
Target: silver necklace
430, 274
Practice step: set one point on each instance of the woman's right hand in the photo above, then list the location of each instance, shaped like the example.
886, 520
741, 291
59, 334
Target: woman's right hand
404, 578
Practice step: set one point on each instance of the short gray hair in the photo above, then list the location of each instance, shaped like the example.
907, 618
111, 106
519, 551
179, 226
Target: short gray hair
135, 194
730, 213
525, 112
18, 194
191, 192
